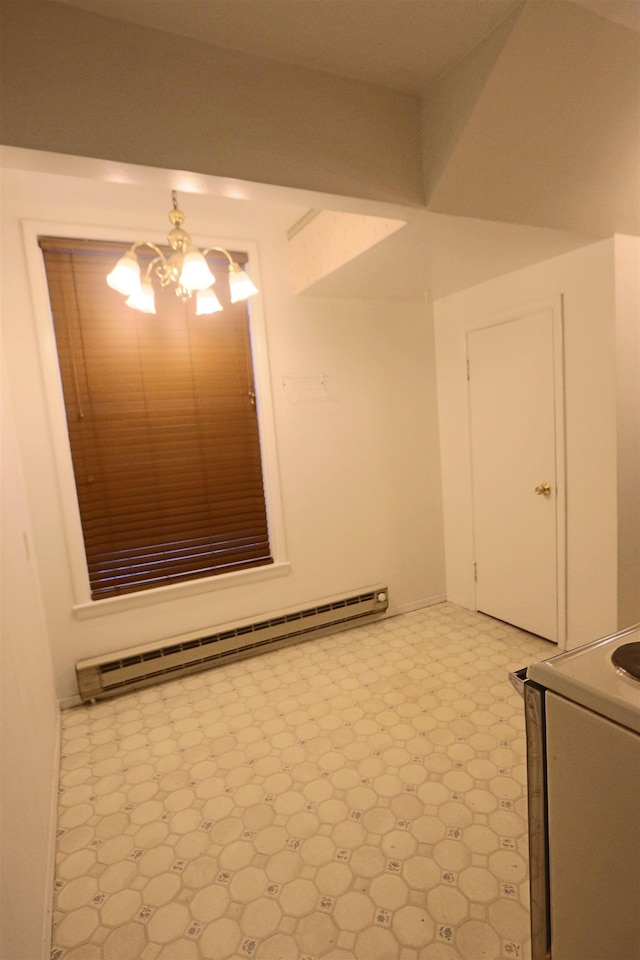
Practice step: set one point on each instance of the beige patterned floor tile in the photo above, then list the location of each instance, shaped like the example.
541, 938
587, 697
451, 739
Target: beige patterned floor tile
358, 797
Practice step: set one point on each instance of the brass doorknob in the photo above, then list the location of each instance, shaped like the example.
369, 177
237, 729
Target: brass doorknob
543, 490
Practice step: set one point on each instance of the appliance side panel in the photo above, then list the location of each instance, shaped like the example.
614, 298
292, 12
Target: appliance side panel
593, 783
534, 703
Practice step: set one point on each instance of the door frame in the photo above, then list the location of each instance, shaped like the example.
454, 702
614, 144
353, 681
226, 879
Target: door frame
555, 306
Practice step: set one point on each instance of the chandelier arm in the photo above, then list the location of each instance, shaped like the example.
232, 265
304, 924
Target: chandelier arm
147, 243
220, 250
160, 261
149, 270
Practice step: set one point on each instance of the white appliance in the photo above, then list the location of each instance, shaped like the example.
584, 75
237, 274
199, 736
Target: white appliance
582, 712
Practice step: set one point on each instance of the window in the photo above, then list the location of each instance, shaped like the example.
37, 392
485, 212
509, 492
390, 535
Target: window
162, 423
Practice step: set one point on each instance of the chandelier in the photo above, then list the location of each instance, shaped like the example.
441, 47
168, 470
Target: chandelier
186, 266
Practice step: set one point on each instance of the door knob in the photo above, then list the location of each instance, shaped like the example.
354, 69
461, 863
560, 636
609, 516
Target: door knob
543, 490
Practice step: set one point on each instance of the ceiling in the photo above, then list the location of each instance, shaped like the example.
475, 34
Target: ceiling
431, 257
402, 44
493, 210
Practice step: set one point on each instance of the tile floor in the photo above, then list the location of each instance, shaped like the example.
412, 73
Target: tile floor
357, 797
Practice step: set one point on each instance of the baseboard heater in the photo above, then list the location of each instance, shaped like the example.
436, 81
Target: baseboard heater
142, 666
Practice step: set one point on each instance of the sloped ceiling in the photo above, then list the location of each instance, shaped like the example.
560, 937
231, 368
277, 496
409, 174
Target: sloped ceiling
554, 137
531, 108
624, 12
402, 44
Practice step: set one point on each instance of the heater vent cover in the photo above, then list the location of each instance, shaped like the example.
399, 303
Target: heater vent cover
142, 666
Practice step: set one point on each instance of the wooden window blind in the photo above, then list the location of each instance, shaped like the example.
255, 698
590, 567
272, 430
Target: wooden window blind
162, 422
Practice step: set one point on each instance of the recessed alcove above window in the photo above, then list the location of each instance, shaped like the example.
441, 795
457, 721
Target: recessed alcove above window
325, 240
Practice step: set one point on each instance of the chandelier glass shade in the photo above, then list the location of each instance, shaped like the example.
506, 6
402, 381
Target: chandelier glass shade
186, 267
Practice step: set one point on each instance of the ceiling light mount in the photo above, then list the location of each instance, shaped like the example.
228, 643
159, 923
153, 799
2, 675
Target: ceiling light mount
186, 267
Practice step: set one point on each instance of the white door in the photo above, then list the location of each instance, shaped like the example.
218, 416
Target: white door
513, 400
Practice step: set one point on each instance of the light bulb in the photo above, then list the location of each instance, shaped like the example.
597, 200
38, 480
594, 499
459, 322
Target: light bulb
195, 272
240, 285
207, 302
143, 299
125, 276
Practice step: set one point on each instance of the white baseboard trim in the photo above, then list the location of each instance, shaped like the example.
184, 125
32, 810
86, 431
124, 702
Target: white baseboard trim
416, 605
463, 602
47, 912
67, 702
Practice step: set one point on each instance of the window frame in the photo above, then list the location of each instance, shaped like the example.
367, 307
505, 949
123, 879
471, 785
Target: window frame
83, 606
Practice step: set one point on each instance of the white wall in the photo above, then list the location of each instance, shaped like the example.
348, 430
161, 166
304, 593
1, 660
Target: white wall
585, 280
627, 279
359, 467
29, 715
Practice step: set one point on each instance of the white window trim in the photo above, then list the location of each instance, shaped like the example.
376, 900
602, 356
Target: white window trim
84, 607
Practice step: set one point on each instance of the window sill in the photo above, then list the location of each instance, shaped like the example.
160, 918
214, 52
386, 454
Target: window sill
178, 591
